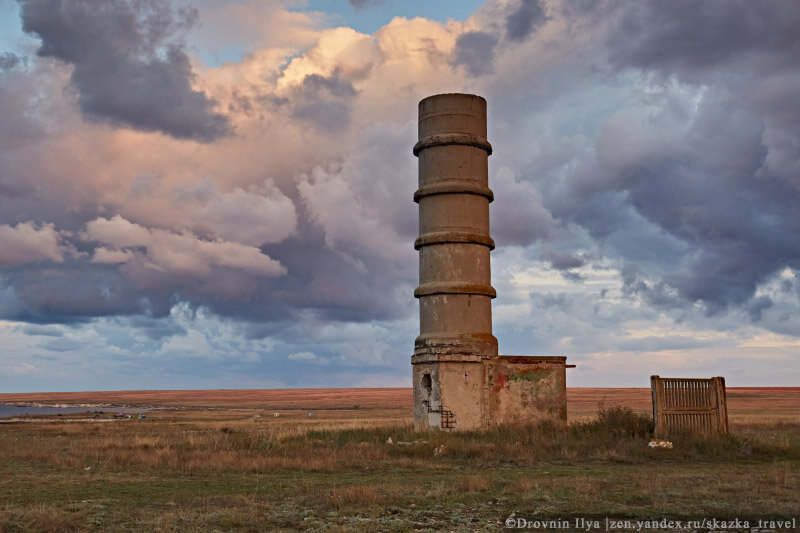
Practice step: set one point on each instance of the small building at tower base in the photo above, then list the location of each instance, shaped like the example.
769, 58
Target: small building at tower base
483, 392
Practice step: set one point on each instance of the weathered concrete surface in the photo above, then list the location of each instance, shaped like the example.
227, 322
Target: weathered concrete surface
460, 382
526, 389
454, 289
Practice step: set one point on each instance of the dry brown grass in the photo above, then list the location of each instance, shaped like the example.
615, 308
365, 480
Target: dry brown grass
472, 483
244, 469
521, 486
362, 495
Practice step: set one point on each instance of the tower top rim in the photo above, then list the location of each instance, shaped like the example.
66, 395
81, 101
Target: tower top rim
453, 95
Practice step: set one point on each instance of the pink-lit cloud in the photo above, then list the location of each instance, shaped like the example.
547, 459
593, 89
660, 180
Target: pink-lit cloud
27, 243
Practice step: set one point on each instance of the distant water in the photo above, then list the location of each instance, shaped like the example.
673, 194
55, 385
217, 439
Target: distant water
7, 410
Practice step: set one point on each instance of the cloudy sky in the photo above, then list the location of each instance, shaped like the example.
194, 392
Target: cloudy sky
218, 194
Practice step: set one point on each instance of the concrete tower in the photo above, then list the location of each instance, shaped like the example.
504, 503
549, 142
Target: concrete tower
455, 354
455, 292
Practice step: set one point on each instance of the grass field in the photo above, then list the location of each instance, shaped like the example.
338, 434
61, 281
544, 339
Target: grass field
222, 461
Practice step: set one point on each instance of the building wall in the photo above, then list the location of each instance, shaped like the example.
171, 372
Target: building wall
525, 390
468, 395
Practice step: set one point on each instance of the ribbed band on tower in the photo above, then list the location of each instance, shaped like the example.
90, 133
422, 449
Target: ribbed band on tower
455, 290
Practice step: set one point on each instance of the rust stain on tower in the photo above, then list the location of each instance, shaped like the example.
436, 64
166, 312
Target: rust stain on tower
460, 381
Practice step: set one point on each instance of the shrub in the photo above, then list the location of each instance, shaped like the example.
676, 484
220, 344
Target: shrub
623, 422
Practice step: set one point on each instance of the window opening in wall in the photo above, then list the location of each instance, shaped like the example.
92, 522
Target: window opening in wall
426, 382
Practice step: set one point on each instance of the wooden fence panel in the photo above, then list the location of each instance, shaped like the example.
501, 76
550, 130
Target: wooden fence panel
689, 405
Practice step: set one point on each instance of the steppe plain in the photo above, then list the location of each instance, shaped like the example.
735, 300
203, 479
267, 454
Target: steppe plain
320, 460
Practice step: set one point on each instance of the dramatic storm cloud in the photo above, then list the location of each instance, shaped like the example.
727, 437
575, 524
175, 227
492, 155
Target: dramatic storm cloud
696, 159
128, 66
219, 194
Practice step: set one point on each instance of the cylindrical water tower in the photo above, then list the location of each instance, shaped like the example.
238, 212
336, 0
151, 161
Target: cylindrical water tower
455, 292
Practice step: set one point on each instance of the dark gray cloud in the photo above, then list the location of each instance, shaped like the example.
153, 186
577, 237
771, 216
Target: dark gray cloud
325, 101
525, 19
74, 293
686, 38
712, 172
475, 52
737, 229
129, 65
326, 281
563, 260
